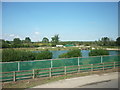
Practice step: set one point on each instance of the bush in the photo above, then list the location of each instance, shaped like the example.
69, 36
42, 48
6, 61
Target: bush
71, 53
19, 55
99, 52
43, 55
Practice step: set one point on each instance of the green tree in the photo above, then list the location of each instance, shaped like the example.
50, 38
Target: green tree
118, 41
55, 39
45, 40
17, 42
4, 44
27, 40
105, 41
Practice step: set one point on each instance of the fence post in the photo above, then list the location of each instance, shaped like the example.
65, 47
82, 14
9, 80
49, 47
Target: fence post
79, 69
50, 72
103, 66
91, 68
78, 61
101, 59
14, 76
114, 65
65, 70
18, 66
51, 63
33, 73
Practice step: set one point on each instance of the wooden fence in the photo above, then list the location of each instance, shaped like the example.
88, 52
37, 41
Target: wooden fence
55, 71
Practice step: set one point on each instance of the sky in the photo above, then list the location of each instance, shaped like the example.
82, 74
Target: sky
73, 21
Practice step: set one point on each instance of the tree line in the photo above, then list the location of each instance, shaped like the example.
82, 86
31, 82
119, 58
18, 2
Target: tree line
17, 43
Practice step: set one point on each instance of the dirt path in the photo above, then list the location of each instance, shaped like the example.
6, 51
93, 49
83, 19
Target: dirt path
80, 81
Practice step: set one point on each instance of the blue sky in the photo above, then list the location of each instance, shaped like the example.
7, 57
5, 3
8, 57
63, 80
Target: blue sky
74, 21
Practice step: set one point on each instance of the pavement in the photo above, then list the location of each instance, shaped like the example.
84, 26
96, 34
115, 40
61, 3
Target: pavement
103, 81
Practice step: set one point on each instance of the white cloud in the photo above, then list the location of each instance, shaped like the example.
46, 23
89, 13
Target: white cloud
37, 33
11, 35
17, 36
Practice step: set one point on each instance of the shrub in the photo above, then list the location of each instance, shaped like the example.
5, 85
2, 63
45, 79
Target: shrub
16, 55
19, 55
99, 52
71, 53
43, 55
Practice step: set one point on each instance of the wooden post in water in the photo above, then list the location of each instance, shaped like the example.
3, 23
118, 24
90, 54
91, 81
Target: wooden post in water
14, 76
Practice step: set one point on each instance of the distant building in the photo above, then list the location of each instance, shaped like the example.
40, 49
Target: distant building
69, 45
93, 48
59, 46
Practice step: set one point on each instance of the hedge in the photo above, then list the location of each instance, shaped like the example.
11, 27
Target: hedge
19, 55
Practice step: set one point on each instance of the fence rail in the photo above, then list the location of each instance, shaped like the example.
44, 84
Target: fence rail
55, 71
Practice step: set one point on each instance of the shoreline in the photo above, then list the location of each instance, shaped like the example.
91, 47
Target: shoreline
55, 49
112, 49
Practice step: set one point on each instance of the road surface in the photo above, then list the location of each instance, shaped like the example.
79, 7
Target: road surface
107, 80
104, 84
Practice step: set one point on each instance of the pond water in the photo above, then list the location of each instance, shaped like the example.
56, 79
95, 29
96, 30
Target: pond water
85, 53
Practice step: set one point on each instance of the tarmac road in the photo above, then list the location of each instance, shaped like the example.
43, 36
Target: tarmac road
108, 80
103, 84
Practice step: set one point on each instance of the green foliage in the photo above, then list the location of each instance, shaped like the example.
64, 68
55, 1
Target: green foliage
45, 40
55, 39
43, 55
118, 41
18, 55
99, 52
4, 44
71, 53
105, 41
17, 42
27, 40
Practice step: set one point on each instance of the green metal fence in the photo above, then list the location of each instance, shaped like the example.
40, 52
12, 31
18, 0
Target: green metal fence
56, 71
39, 64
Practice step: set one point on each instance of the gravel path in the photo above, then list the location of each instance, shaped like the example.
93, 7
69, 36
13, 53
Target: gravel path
80, 81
